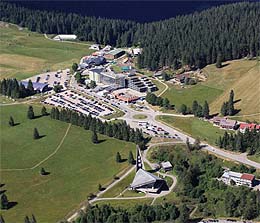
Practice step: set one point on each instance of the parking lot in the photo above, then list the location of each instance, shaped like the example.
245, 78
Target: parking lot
154, 130
60, 77
77, 102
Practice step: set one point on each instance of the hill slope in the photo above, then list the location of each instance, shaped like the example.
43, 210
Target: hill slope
243, 76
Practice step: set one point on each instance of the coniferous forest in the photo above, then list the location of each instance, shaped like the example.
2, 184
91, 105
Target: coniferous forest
229, 31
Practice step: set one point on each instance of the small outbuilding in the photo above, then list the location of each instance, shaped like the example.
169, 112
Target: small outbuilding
167, 166
65, 37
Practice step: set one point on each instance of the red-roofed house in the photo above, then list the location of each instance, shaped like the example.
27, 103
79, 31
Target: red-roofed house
247, 179
249, 126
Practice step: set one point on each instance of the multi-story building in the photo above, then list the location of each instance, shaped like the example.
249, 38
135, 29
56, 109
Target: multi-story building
141, 84
239, 179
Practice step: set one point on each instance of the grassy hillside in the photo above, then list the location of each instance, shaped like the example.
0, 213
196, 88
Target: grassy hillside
243, 77
240, 75
75, 170
24, 53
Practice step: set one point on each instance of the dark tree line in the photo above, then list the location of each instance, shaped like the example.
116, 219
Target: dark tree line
159, 101
247, 142
231, 31
196, 109
118, 130
139, 213
12, 88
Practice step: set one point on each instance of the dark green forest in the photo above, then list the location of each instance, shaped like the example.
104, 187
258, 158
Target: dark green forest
227, 32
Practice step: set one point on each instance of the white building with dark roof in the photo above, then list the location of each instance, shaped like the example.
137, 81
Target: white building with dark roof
167, 166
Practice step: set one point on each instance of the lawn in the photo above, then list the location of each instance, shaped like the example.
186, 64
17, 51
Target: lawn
75, 170
139, 116
24, 53
199, 92
194, 127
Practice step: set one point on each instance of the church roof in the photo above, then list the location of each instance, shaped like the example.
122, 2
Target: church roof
143, 177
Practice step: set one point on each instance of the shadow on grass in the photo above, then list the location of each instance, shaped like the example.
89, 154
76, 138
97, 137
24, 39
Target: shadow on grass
101, 140
225, 65
18, 123
238, 100
41, 136
236, 111
2, 191
11, 204
1, 185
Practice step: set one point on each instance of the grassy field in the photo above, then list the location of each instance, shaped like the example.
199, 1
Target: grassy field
240, 75
199, 92
75, 170
24, 53
195, 127
255, 158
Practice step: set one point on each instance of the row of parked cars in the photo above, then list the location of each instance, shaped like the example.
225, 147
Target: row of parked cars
155, 130
76, 102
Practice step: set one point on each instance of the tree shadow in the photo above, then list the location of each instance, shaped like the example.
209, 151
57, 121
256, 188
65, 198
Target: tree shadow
17, 123
225, 65
11, 204
2, 191
238, 100
41, 136
213, 115
123, 160
46, 173
101, 140
236, 111
196, 220
1, 185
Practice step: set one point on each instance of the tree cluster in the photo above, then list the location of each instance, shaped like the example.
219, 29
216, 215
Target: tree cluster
227, 107
118, 130
247, 142
197, 109
159, 101
12, 88
197, 173
197, 39
139, 213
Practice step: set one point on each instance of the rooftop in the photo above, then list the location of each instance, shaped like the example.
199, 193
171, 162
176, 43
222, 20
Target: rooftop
166, 164
143, 177
247, 176
115, 51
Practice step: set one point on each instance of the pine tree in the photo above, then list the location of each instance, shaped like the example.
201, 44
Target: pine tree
131, 158
30, 113
231, 109
36, 134
195, 107
183, 109
94, 137
166, 103
44, 111
224, 109
99, 187
219, 61
11, 121
118, 157
26, 219
33, 219
42, 171
30, 87
206, 110
74, 67
4, 202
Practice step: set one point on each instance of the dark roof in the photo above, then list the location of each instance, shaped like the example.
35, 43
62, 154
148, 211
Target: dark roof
36, 85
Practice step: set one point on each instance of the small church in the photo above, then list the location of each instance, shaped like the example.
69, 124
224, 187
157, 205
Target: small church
145, 181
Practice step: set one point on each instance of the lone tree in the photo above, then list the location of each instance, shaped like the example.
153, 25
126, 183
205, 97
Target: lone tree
231, 109
131, 158
11, 121
43, 171
118, 157
44, 111
94, 137
4, 202
189, 147
99, 187
36, 134
206, 110
183, 109
74, 67
197, 144
33, 219
30, 113
219, 61
26, 219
